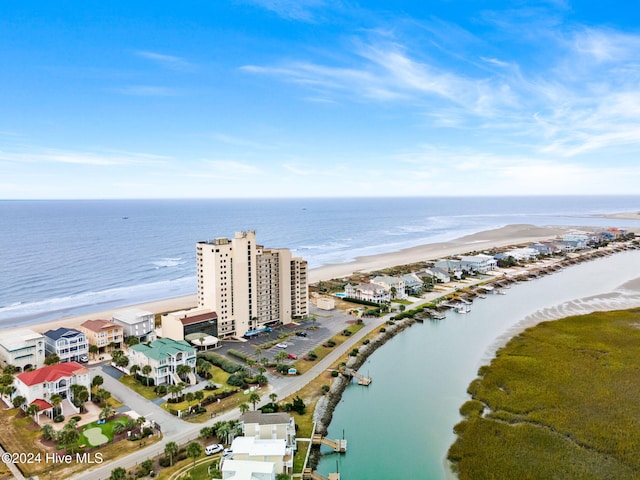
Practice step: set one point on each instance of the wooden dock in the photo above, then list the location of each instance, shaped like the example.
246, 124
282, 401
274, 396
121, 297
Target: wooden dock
309, 474
362, 380
339, 446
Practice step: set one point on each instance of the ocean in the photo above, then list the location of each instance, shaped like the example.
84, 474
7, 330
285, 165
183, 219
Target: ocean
68, 257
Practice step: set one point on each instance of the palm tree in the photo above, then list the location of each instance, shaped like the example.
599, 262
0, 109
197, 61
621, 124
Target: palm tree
199, 396
118, 473
254, 398
183, 371
171, 449
32, 410
55, 400
93, 350
282, 355
97, 381
52, 359
244, 407
48, 432
189, 397
106, 413
140, 421
134, 369
222, 431
194, 450
174, 390
18, 401
146, 370
273, 397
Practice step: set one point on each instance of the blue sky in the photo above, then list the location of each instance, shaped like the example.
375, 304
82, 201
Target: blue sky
294, 98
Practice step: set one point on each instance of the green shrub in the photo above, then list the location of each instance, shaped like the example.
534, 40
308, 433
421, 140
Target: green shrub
238, 354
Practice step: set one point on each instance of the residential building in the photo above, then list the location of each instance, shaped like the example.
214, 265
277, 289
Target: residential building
269, 426
480, 263
439, 274
249, 286
197, 326
395, 285
102, 333
136, 323
522, 254
264, 450
246, 470
24, 349
68, 343
39, 385
370, 292
412, 283
451, 266
164, 356
325, 303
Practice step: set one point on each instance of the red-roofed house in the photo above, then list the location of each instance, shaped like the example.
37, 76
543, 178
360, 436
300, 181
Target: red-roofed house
39, 385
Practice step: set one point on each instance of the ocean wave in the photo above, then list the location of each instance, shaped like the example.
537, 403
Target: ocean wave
75, 304
168, 262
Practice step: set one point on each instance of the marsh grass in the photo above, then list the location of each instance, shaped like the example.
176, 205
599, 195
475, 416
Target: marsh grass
560, 401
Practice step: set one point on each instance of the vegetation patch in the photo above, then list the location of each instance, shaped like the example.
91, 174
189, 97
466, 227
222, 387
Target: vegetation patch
559, 400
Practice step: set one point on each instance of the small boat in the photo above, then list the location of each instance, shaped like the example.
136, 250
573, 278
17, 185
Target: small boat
125, 218
462, 308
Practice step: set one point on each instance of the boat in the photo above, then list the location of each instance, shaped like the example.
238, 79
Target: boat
125, 218
462, 308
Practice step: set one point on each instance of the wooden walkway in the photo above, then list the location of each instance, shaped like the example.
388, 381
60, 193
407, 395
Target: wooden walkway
362, 380
339, 446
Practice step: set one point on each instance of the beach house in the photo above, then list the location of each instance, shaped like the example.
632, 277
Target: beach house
480, 263
265, 426
102, 333
370, 292
250, 286
164, 356
37, 386
24, 349
264, 450
244, 470
136, 323
395, 285
412, 283
69, 344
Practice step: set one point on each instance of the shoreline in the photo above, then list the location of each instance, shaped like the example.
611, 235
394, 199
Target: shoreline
500, 237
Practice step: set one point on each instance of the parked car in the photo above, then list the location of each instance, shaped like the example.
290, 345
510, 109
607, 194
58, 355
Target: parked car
213, 449
301, 334
227, 452
83, 359
282, 345
292, 356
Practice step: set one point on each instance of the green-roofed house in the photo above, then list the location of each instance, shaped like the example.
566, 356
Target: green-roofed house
164, 356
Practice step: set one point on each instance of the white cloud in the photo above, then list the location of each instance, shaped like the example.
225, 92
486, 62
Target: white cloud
232, 168
302, 10
82, 158
167, 61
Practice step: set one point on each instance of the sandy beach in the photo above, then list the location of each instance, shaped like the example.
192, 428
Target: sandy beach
505, 236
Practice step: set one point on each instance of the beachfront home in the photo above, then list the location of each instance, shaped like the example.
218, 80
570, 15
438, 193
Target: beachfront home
197, 326
102, 333
136, 323
264, 450
395, 285
524, 254
480, 263
435, 274
244, 470
370, 292
249, 286
164, 356
269, 426
451, 266
37, 386
412, 283
69, 344
542, 248
24, 349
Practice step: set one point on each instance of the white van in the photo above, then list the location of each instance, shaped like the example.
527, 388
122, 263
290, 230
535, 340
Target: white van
214, 448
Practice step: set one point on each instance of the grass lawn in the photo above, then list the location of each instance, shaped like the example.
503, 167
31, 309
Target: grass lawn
133, 384
20, 434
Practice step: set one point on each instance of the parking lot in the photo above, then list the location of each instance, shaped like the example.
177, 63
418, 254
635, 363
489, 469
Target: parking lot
325, 325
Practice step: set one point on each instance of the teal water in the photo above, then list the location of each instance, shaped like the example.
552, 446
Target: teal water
401, 425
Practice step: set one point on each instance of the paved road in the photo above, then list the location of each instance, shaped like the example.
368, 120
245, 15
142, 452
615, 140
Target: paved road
182, 432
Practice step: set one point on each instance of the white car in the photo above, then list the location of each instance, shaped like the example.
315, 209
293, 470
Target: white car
227, 452
214, 448
282, 345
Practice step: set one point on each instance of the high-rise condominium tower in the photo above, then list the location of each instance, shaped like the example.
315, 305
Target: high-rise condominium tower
250, 286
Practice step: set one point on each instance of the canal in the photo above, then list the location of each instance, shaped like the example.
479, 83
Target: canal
401, 426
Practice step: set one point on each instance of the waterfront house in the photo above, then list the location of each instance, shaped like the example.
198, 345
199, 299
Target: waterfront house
102, 333
524, 254
164, 356
542, 248
264, 450
37, 386
278, 425
245, 470
370, 292
24, 349
450, 265
197, 326
136, 323
480, 263
412, 283
395, 285
436, 274
69, 344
